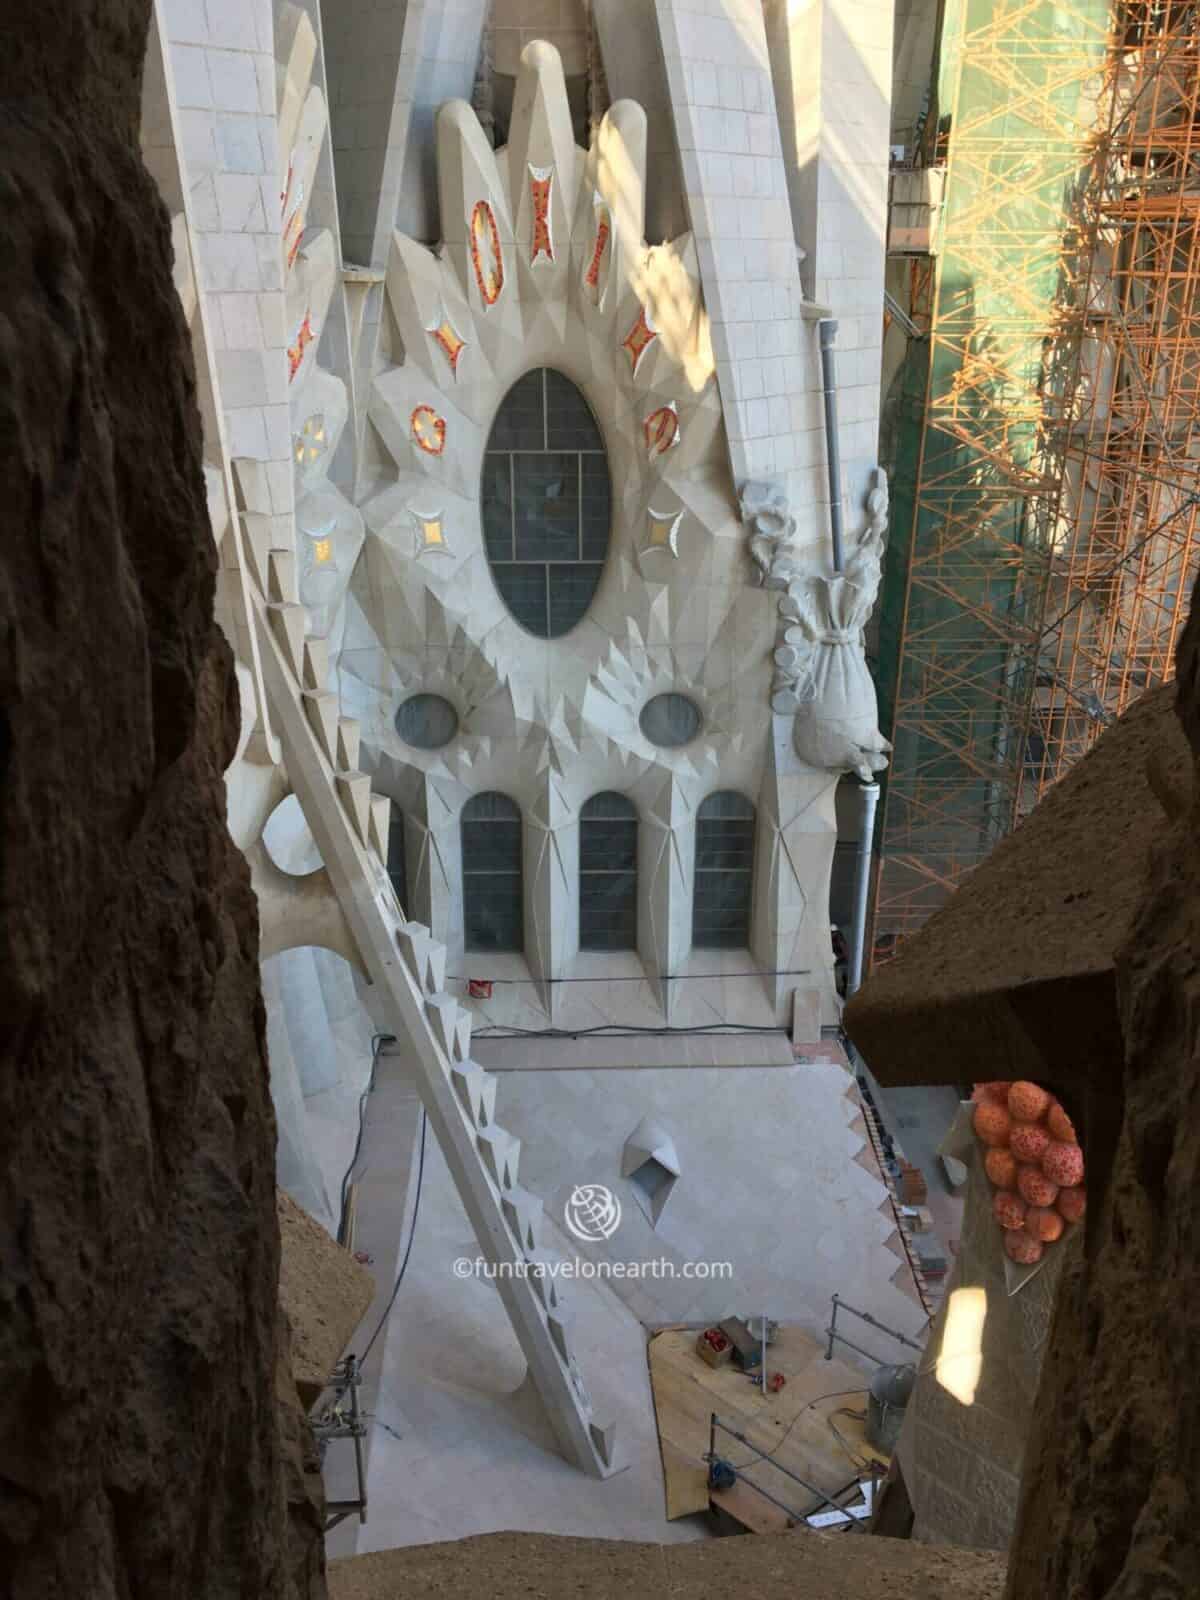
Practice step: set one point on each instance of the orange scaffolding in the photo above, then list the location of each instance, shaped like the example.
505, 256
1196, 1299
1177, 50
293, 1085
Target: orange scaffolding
1046, 502
1124, 556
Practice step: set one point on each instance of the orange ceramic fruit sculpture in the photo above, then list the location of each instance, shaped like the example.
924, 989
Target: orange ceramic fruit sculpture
1001, 1168
1063, 1164
1028, 1141
1027, 1103
1060, 1125
1023, 1250
995, 1092
1044, 1224
1035, 1187
1009, 1209
1032, 1149
992, 1123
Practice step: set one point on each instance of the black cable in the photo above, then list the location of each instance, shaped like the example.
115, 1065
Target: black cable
837, 1394
412, 1234
376, 1045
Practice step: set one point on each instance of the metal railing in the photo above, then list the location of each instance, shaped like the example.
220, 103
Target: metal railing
841, 1305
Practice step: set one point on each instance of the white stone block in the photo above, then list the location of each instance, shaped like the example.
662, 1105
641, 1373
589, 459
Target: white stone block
186, 21
234, 81
239, 203
192, 88
238, 143
232, 23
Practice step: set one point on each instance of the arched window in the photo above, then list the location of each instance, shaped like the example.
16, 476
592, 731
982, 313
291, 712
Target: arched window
397, 869
547, 503
724, 872
492, 882
608, 846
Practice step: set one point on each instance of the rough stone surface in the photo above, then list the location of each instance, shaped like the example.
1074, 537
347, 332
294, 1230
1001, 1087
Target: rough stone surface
962, 1463
1015, 976
786, 1566
140, 1448
324, 1293
1108, 1500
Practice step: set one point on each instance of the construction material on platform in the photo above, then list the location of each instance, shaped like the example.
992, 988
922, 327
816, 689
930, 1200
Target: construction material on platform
713, 1347
913, 1189
792, 1427
747, 1349
887, 1400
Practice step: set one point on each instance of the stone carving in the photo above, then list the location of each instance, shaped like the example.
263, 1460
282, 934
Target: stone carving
772, 533
821, 675
329, 528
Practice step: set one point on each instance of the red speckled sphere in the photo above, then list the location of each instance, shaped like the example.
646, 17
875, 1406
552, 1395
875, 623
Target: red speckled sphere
1036, 1187
1060, 1125
997, 1093
1001, 1168
1072, 1203
1026, 1102
1009, 1210
1028, 1142
1023, 1250
991, 1123
1043, 1223
1063, 1164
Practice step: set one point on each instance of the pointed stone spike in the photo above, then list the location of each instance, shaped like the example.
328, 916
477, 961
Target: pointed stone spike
477, 1091
281, 577
347, 744
603, 1437
354, 790
462, 1035
435, 967
559, 1332
540, 1275
322, 710
287, 624
256, 538
442, 1011
381, 818
501, 1154
524, 1213
414, 940
316, 664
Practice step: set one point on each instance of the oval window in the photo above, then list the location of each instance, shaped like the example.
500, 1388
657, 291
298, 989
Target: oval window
427, 721
670, 720
547, 503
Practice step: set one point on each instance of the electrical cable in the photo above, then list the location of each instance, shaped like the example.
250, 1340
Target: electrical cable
412, 1234
377, 1042
837, 1394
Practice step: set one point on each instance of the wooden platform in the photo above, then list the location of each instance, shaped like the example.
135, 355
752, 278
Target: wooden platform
794, 1424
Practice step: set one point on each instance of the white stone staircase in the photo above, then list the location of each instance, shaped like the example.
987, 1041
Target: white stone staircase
408, 968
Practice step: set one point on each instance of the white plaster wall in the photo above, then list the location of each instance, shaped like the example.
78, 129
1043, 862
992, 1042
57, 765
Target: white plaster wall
319, 1048
831, 66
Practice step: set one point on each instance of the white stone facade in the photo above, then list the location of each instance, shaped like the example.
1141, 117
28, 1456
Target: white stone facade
366, 279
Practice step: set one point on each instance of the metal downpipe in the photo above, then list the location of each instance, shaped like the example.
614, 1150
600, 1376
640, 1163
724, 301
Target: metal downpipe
862, 885
827, 329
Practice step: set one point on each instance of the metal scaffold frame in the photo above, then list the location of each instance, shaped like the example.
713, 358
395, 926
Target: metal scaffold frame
1046, 461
